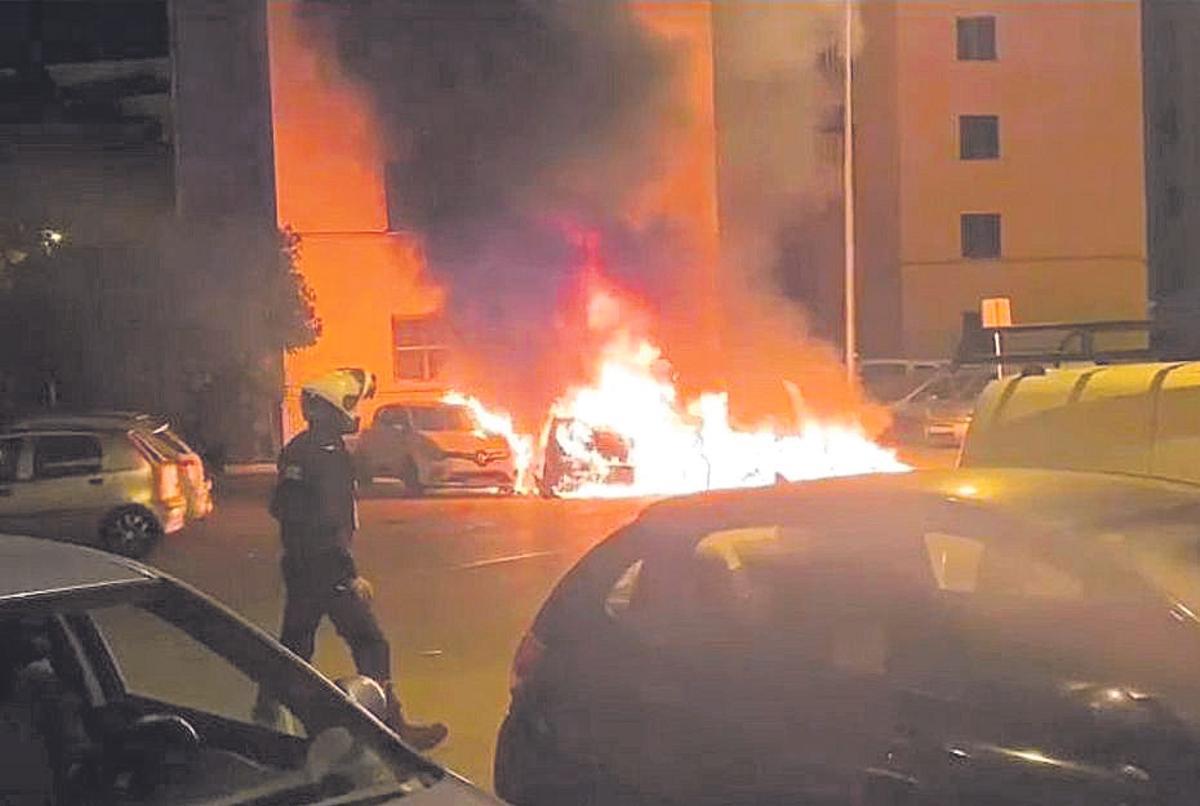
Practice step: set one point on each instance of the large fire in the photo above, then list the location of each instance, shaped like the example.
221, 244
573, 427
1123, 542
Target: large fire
629, 431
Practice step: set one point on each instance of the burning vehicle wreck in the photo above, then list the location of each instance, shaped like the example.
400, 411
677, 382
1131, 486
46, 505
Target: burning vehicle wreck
576, 455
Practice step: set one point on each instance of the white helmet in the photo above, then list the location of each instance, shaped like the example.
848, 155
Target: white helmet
342, 389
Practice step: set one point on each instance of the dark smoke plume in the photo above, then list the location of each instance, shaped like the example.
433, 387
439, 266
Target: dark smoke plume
513, 124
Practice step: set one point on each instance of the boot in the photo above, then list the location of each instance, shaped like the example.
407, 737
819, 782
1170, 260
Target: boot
417, 736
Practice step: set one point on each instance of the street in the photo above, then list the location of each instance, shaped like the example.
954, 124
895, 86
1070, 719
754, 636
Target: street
457, 581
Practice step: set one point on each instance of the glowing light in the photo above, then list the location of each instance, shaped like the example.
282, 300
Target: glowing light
499, 422
674, 446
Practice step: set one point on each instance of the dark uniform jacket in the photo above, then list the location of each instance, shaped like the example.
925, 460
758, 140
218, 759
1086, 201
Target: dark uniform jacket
314, 502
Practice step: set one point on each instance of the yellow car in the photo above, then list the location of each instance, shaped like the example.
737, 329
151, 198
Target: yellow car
106, 486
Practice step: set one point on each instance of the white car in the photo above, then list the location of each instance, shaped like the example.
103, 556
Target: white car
122, 685
434, 445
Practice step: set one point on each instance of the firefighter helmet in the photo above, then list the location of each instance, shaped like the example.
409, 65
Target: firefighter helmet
340, 391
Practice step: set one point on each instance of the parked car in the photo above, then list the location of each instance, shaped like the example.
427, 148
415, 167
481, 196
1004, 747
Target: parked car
564, 471
890, 379
157, 430
434, 445
114, 487
122, 685
938, 412
1010, 637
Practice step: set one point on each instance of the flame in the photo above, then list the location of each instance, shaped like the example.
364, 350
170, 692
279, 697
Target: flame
675, 446
630, 431
500, 422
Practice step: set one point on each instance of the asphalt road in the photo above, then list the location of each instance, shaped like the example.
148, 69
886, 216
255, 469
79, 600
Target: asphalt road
457, 581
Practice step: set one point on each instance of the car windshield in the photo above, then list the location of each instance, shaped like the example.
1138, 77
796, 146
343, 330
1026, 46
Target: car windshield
270, 730
442, 418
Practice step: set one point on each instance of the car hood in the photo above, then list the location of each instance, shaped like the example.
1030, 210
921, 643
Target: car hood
465, 441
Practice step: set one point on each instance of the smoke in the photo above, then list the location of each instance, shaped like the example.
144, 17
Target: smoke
519, 129
513, 125
779, 102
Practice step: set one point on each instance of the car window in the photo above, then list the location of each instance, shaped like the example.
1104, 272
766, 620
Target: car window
963, 564
60, 456
160, 662
782, 589
390, 416
10, 454
442, 418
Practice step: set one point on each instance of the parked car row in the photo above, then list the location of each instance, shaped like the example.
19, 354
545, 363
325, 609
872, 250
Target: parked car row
121, 480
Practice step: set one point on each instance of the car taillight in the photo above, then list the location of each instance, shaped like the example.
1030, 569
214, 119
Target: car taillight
168, 482
529, 655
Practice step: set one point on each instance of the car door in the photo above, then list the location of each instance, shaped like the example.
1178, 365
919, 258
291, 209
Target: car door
791, 663
383, 443
66, 497
14, 479
713, 684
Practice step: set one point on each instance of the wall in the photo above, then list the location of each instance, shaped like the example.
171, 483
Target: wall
329, 178
1069, 181
1171, 38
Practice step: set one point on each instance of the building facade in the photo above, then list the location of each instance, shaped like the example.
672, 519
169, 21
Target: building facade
1017, 162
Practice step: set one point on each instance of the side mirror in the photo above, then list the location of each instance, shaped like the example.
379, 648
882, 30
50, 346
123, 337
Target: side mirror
365, 693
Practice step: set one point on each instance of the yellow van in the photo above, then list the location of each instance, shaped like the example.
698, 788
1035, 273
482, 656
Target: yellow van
1142, 419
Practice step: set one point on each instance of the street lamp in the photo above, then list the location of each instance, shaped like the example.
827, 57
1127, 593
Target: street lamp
851, 314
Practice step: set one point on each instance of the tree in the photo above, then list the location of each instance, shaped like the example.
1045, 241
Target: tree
185, 321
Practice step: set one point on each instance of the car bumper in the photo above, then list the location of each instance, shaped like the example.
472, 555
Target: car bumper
465, 473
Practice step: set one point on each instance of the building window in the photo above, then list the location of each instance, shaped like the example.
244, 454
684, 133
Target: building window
979, 137
419, 348
976, 39
981, 235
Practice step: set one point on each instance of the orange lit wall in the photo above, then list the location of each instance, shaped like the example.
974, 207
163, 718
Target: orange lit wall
329, 178
1069, 184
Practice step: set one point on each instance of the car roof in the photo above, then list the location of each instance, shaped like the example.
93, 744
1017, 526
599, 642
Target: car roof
88, 419
31, 566
56, 430
1060, 499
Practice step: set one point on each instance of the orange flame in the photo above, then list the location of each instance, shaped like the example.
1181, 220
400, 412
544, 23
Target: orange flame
677, 447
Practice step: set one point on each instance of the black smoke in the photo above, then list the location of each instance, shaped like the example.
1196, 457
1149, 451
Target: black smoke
511, 125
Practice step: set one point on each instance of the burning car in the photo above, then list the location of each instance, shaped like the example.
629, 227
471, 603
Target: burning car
576, 454
431, 444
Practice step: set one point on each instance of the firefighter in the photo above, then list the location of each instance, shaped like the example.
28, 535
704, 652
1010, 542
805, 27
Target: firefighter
314, 502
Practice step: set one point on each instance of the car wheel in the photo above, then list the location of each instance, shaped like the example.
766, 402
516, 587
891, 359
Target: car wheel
412, 480
130, 531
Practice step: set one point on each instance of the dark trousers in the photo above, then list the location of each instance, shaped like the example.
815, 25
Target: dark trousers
352, 617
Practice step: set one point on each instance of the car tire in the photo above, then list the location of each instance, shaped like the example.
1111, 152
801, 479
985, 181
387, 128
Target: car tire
130, 531
412, 480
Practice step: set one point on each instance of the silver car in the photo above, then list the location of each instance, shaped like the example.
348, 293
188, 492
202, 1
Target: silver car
434, 445
119, 684
112, 487
197, 486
